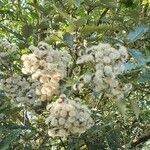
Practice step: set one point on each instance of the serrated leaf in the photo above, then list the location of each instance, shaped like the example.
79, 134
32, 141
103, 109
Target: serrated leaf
137, 32
129, 66
135, 53
68, 39
113, 138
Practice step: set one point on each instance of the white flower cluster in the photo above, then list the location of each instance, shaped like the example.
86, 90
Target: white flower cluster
146, 145
20, 90
108, 63
46, 65
68, 117
7, 51
7, 48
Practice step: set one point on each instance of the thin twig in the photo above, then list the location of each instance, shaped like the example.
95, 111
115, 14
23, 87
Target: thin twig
139, 140
63, 144
102, 15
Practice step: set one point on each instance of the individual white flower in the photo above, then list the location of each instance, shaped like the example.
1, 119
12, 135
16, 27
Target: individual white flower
34, 68
106, 60
115, 91
38, 91
99, 74
63, 113
85, 58
118, 69
98, 80
61, 121
43, 46
72, 113
117, 54
123, 51
87, 78
24, 57
36, 74
108, 70
68, 125
52, 132
43, 97
112, 56
99, 55
120, 96
114, 83
99, 66
62, 133
71, 119
103, 46
24, 71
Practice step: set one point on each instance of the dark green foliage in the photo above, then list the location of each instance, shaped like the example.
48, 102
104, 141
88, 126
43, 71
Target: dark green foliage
9, 139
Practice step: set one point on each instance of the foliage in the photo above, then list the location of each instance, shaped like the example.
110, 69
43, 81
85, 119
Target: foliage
72, 26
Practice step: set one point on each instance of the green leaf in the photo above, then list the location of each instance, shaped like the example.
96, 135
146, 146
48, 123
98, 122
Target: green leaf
27, 30
129, 66
145, 76
76, 24
95, 138
93, 28
135, 108
77, 2
137, 32
68, 39
74, 142
113, 138
62, 13
135, 53
9, 139
122, 108
80, 22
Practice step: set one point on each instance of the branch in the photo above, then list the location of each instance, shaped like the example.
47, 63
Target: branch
141, 139
102, 15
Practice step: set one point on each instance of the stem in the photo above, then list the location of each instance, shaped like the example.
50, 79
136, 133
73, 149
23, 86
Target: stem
63, 144
141, 139
102, 15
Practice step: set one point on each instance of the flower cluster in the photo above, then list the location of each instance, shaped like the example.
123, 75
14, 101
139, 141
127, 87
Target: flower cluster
68, 117
7, 51
20, 90
108, 62
7, 47
46, 65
